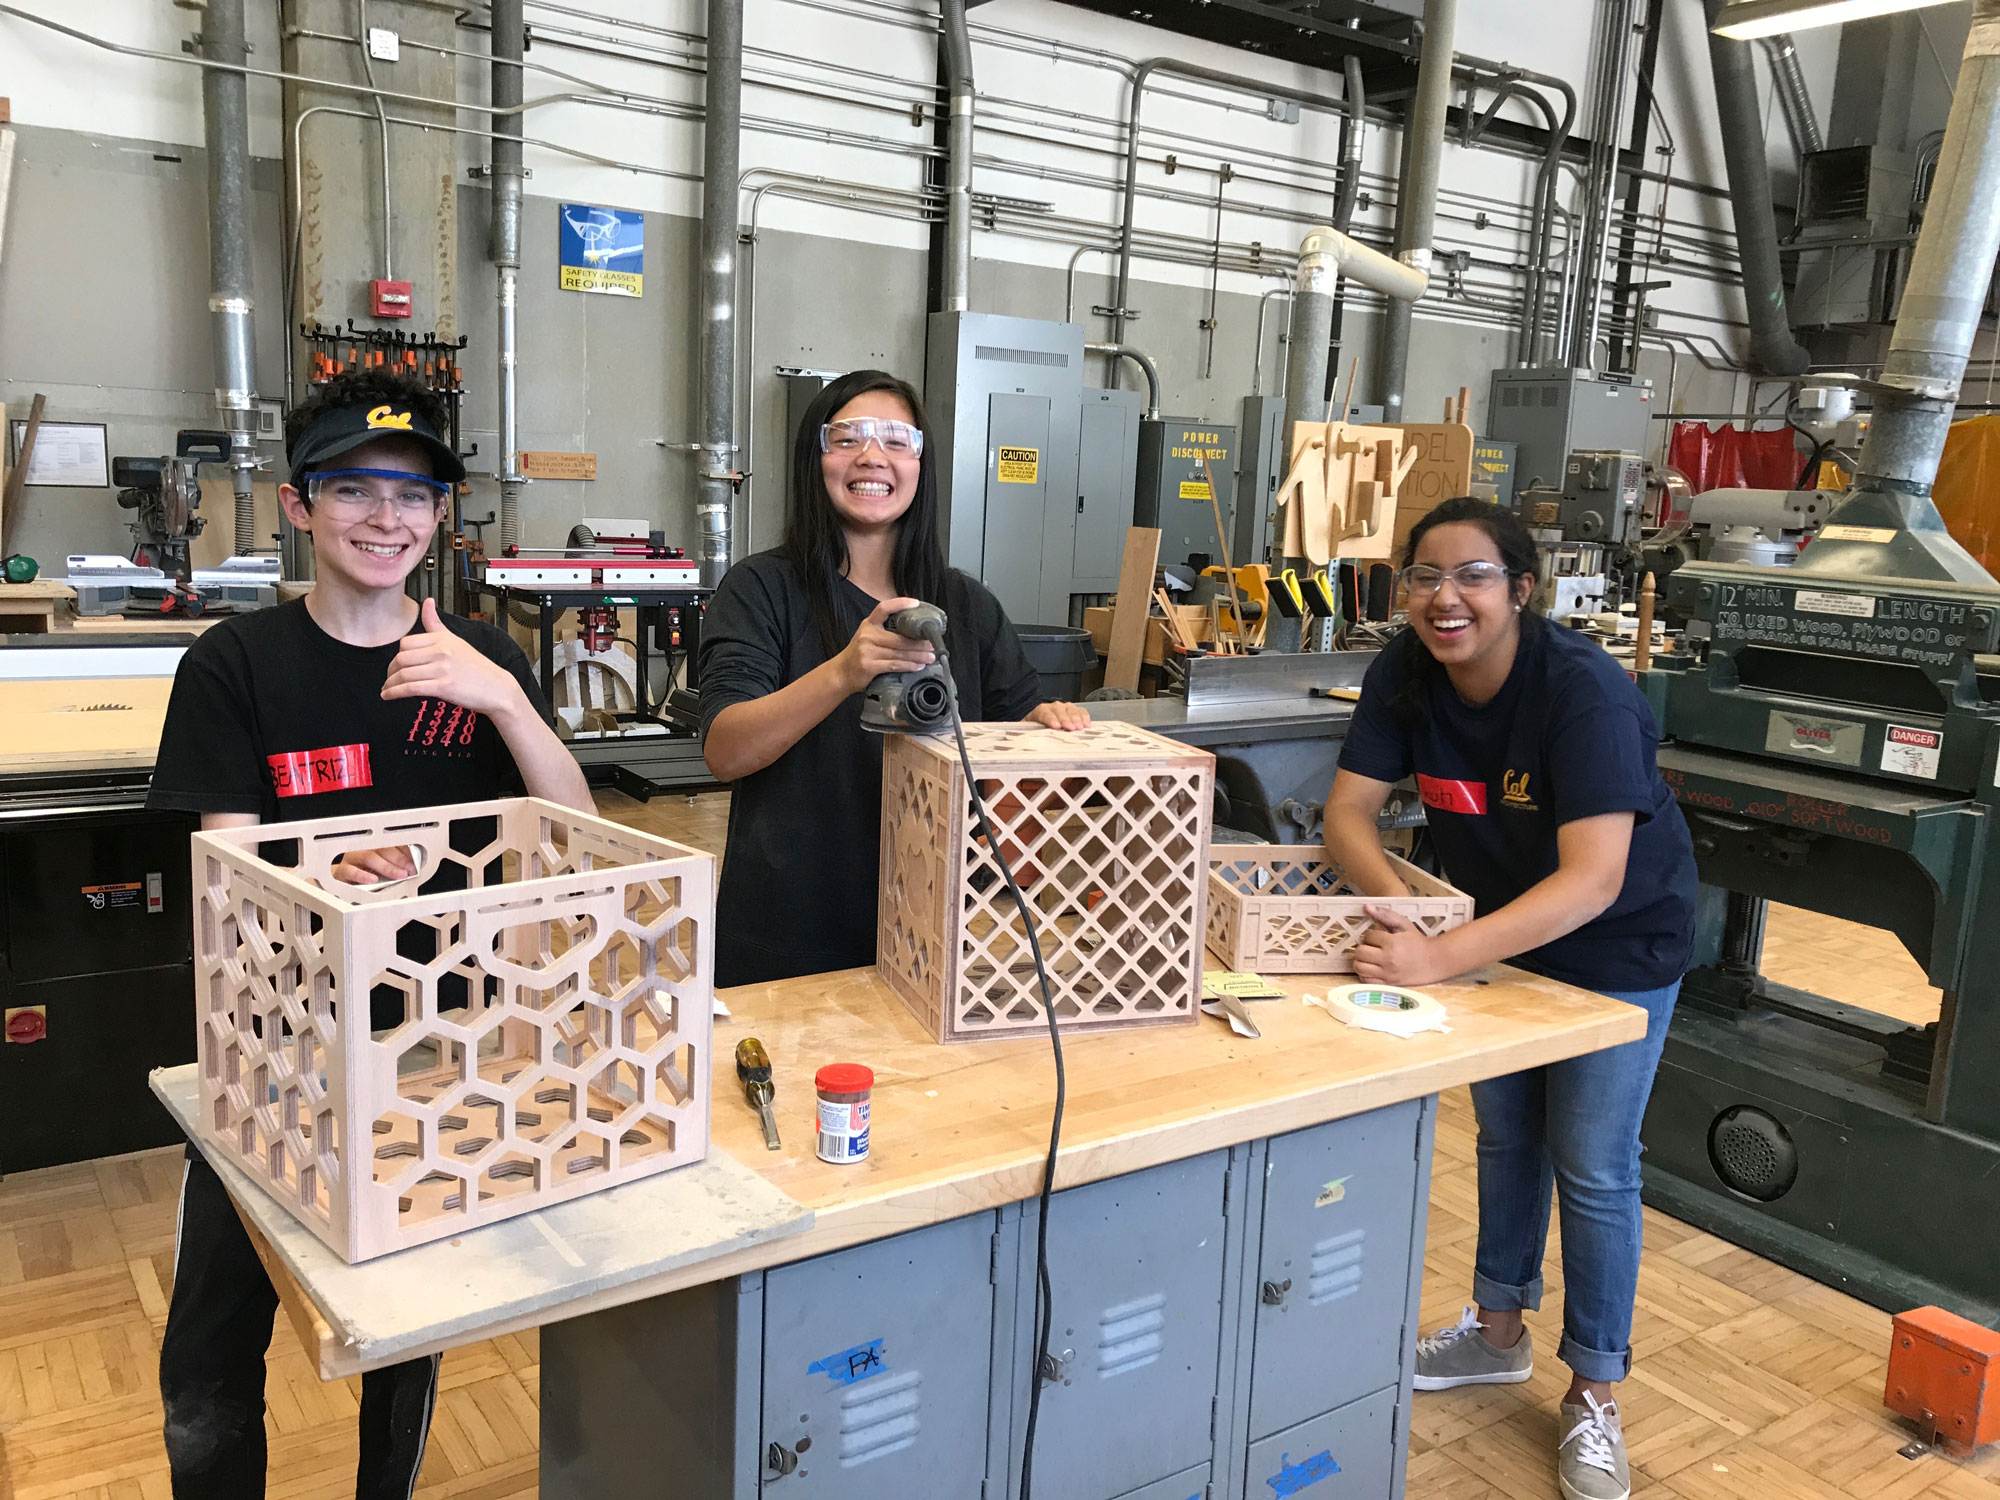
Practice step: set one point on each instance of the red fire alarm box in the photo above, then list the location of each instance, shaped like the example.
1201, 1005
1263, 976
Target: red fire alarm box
388, 299
1944, 1372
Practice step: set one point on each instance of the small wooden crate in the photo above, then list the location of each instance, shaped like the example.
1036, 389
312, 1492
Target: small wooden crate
1107, 832
555, 1015
1283, 909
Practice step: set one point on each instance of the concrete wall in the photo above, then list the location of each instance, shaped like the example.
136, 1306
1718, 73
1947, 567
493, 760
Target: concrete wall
104, 310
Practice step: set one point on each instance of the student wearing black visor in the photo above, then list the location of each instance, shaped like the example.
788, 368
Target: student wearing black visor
351, 700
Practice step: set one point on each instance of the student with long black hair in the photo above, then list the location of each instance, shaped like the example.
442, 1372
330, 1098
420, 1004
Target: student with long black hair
789, 642
1535, 756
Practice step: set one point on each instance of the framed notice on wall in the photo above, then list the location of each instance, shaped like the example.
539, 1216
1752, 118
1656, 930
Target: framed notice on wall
601, 250
70, 454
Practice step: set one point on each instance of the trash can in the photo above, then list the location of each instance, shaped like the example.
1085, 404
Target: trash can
1061, 654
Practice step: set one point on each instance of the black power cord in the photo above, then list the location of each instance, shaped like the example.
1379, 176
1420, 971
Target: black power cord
1044, 1298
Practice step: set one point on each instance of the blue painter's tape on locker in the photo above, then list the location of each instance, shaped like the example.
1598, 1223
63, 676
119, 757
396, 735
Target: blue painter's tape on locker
850, 1365
1293, 1477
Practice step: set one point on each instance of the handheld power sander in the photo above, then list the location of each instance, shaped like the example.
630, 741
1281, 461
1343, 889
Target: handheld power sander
922, 702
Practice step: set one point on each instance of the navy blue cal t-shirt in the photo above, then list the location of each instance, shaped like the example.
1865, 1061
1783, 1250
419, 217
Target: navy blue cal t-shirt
1569, 736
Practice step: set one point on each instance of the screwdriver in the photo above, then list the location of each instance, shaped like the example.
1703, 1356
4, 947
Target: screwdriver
753, 1071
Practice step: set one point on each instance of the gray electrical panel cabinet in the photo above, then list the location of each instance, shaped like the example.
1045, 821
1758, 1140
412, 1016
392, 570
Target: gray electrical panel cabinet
1173, 487
1107, 476
1006, 405
1549, 413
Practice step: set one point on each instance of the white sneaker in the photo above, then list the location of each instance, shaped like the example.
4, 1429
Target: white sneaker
1590, 1461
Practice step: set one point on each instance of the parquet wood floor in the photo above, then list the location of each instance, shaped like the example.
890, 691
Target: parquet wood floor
1751, 1383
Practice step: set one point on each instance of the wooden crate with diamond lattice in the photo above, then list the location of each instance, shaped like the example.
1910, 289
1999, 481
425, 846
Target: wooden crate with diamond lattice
1107, 832
525, 1020
1283, 909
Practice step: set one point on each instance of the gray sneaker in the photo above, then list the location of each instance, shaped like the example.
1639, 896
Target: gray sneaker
1591, 1460
1457, 1356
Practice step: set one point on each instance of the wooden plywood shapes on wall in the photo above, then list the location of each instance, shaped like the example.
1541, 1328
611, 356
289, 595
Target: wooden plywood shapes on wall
1339, 492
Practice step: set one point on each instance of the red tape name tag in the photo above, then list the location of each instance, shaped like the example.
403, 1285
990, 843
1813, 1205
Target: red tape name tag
1453, 796
307, 773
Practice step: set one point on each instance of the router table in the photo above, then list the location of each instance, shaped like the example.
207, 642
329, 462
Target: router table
1236, 1251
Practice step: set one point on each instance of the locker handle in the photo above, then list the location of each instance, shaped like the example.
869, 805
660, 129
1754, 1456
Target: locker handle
781, 1458
1274, 1292
1054, 1368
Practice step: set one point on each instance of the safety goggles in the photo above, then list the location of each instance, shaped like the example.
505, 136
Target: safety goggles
852, 436
1421, 581
360, 492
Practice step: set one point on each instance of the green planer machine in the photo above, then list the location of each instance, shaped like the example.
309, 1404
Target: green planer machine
1833, 735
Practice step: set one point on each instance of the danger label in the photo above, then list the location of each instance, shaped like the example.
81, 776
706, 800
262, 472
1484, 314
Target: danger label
1912, 752
1020, 465
1194, 489
122, 896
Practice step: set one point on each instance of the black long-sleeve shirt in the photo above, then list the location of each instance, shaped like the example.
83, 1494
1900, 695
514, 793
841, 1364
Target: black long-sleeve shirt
800, 873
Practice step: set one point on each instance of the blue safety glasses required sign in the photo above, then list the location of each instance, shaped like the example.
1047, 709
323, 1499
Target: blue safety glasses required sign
601, 250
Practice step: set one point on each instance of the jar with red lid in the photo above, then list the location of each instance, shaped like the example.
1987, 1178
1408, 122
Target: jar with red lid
845, 1095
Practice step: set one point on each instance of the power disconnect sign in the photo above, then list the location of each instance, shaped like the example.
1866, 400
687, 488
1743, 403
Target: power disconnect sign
601, 250
1020, 465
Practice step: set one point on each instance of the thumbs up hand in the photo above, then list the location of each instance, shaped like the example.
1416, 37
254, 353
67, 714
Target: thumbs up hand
434, 663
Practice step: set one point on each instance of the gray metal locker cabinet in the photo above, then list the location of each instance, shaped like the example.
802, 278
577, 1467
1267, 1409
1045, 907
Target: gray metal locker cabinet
1349, 1454
878, 1367
1135, 1264
1107, 479
1018, 484
1190, 1485
1342, 1202
969, 358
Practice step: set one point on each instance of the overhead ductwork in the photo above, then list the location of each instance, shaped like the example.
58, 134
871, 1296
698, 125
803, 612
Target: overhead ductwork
1773, 349
1943, 298
226, 127
1793, 100
504, 249
1416, 208
957, 41
722, 136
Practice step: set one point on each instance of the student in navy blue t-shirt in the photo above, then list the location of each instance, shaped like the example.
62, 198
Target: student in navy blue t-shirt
1534, 754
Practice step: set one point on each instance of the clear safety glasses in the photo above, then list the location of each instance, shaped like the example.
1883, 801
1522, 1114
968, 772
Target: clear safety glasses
1422, 580
897, 439
360, 492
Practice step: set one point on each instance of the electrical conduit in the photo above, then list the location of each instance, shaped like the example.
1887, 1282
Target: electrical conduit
226, 123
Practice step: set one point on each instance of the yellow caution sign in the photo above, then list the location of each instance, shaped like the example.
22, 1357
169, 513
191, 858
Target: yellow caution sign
1020, 465
1194, 489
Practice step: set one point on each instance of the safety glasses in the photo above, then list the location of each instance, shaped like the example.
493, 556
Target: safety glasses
852, 436
360, 492
1421, 581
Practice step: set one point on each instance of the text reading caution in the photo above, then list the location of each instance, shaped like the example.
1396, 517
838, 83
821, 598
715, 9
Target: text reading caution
1020, 465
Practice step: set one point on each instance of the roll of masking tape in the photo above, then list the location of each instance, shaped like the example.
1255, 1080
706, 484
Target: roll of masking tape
1383, 1007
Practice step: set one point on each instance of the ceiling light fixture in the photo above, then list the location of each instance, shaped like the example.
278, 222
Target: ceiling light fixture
1746, 20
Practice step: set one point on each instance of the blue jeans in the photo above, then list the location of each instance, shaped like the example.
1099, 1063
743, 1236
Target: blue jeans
1575, 1126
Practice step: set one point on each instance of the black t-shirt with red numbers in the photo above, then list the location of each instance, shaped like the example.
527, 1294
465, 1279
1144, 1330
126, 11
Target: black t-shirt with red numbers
271, 715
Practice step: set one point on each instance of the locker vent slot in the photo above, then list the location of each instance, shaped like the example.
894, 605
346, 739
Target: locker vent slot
879, 1417
1021, 356
1131, 1335
1336, 1268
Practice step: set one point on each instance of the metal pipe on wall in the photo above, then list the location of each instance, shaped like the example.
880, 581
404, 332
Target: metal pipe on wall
504, 249
715, 359
1606, 132
1773, 349
1416, 207
1146, 367
226, 127
1173, 67
957, 41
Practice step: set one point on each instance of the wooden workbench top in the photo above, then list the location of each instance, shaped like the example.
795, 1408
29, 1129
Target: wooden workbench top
957, 1129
